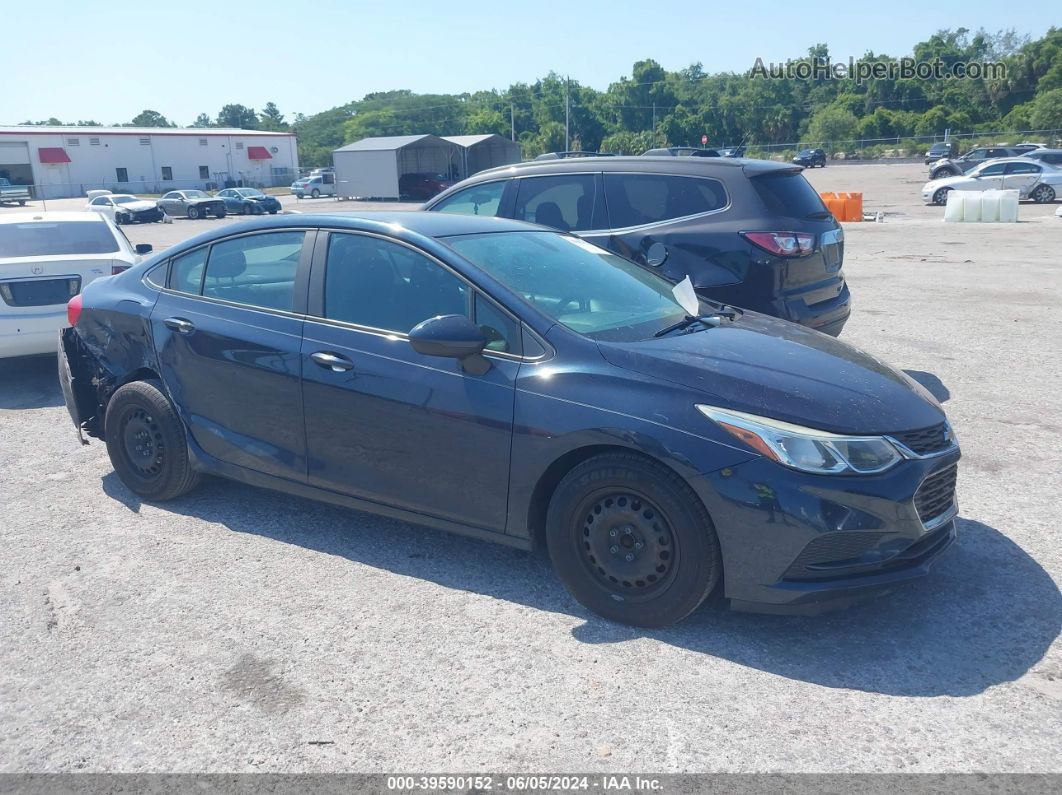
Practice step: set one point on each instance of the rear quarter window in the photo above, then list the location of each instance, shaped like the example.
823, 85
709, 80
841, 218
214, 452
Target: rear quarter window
638, 199
789, 194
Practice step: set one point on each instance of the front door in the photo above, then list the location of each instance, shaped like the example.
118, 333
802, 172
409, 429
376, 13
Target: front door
228, 332
991, 177
385, 423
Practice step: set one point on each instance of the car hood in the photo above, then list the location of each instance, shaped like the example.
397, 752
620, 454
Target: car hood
781, 370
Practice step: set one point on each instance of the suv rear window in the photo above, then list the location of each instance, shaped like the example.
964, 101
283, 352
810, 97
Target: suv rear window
788, 193
50, 239
637, 199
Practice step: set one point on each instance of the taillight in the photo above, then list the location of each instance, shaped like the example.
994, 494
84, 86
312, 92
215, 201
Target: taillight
73, 310
783, 244
116, 269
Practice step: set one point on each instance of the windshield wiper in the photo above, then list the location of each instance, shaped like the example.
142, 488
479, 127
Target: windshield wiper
708, 321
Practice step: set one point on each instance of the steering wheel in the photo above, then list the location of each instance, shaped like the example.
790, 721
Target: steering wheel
571, 300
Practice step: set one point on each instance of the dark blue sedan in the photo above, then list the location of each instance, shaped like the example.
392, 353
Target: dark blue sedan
521, 385
249, 201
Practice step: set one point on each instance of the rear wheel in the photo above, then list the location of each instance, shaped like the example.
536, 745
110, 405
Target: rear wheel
146, 443
631, 541
193, 213
1042, 194
941, 196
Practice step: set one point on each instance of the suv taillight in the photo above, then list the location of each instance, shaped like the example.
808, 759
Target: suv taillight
783, 244
73, 309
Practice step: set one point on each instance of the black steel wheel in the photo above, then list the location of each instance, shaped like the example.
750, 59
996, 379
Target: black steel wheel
631, 540
146, 442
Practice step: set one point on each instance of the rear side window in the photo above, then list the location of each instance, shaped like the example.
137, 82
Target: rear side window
258, 270
1023, 168
477, 200
186, 271
47, 239
563, 202
788, 193
637, 199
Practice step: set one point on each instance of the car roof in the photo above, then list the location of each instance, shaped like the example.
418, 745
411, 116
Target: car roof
695, 166
52, 217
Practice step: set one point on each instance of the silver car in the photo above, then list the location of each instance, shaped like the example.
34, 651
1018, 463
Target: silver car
1039, 182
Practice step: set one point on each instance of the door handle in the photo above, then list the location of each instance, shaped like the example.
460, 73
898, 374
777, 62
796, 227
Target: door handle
332, 361
179, 324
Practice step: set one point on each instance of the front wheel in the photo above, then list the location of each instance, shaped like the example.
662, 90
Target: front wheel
220, 213
631, 541
315, 194
248, 209
272, 212
941, 196
193, 213
1043, 194
146, 443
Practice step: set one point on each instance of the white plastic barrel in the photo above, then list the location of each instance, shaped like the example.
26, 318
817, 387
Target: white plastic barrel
971, 206
990, 206
953, 209
1008, 206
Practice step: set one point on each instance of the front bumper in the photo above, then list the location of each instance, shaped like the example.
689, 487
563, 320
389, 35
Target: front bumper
799, 543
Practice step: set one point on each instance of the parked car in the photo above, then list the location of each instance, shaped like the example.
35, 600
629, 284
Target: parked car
940, 150
519, 385
45, 259
952, 167
124, 208
1052, 157
681, 151
248, 201
750, 233
809, 158
1025, 148
1036, 181
13, 194
315, 185
420, 187
192, 204
565, 155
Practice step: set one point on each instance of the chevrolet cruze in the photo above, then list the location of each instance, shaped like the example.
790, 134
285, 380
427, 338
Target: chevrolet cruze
518, 384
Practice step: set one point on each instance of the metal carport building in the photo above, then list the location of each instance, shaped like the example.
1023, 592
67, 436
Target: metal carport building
370, 168
480, 152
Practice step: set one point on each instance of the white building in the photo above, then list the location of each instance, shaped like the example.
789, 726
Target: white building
67, 161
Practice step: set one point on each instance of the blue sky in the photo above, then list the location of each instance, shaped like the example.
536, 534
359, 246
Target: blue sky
108, 61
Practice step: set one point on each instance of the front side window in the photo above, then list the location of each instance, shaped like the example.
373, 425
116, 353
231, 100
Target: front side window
637, 199
589, 290
258, 270
172, 195
384, 285
503, 333
562, 202
102, 201
993, 170
478, 200
193, 194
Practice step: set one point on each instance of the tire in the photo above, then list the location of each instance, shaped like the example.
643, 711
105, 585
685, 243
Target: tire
21, 202
146, 442
315, 194
193, 213
248, 209
940, 173
272, 212
651, 558
118, 219
940, 196
1042, 194
220, 213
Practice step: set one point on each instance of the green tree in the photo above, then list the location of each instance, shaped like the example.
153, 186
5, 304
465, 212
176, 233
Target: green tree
238, 117
1046, 113
150, 118
203, 120
271, 118
833, 125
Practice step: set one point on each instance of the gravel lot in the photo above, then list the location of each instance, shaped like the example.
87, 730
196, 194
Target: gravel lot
238, 630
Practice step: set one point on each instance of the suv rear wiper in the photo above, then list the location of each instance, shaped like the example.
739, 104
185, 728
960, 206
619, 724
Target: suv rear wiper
708, 321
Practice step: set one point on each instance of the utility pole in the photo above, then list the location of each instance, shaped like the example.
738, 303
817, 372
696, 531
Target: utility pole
512, 120
654, 124
567, 117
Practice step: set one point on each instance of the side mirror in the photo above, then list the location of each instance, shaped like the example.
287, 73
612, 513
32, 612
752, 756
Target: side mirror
454, 337
656, 255
144, 248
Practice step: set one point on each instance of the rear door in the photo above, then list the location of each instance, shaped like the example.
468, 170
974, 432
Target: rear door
385, 423
227, 330
1022, 177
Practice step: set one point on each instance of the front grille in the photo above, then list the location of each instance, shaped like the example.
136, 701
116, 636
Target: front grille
39, 292
926, 440
936, 494
832, 549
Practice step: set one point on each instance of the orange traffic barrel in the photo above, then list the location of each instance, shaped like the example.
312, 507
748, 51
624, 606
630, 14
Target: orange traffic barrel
834, 203
853, 206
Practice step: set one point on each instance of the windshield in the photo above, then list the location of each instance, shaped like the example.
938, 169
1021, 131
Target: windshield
588, 289
42, 239
250, 192
195, 194
124, 199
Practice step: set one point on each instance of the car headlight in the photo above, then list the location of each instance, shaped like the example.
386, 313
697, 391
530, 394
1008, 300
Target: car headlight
806, 449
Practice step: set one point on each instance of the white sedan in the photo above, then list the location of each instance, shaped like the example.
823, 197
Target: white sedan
124, 208
45, 260
1032, 179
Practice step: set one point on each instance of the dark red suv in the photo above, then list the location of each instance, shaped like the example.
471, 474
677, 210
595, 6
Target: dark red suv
422, 186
